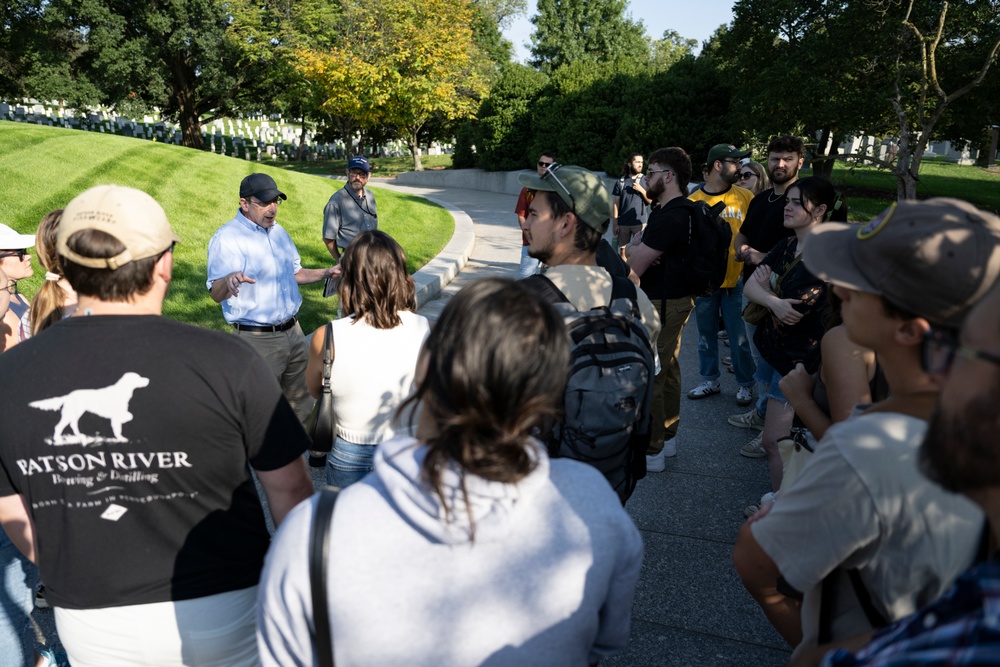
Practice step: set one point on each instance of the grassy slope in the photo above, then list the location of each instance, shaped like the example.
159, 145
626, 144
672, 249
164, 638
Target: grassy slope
43, 168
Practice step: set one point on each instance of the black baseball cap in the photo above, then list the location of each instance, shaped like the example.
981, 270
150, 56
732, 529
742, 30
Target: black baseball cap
260, 186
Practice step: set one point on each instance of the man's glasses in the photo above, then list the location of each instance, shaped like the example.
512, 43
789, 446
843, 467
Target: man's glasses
747, 175
264, 204
545, 165
940, 348
11, 288
14, 253
550, 172
729, 160
658, 171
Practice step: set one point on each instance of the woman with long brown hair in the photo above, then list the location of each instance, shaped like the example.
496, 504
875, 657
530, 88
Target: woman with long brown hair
375, 349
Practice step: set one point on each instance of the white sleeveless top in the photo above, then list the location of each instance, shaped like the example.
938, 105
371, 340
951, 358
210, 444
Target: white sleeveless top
372, 375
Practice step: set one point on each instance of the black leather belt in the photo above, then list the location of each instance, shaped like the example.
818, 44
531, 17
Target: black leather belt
274, 328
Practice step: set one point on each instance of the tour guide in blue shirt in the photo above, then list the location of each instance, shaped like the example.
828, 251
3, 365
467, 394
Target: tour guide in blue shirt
254, 271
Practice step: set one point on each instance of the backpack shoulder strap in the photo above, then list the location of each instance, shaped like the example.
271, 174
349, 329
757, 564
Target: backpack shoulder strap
544, 287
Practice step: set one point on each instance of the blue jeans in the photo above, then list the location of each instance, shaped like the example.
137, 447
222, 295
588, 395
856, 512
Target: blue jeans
17, 598
348, 462
706, 313
755, 353
768, 380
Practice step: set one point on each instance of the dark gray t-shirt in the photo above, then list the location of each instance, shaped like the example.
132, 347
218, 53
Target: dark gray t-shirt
346, 215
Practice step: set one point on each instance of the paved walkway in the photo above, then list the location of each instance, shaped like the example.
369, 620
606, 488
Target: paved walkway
690, 608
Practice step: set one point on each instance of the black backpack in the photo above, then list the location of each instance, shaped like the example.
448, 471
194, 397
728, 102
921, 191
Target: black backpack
609, 394
709, 240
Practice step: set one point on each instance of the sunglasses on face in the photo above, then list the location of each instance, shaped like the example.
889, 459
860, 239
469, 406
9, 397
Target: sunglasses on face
747, 175
940, 349
545, 165
14, 253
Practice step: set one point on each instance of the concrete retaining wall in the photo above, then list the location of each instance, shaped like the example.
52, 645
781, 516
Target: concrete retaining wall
503, 182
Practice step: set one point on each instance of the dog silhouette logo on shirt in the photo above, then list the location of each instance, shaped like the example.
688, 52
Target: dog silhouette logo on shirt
111, 403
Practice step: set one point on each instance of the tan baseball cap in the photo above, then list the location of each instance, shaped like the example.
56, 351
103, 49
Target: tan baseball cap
129, 215
935, 258
582, 190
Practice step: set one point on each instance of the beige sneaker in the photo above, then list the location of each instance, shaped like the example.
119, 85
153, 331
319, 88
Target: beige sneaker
747, 420
755, 448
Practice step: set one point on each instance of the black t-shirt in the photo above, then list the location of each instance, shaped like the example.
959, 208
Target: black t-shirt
669, 231
784, 345
764, 225
129, 438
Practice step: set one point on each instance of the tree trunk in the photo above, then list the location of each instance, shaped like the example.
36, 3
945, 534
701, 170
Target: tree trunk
302, 140
827, 147
191, 128
415, 150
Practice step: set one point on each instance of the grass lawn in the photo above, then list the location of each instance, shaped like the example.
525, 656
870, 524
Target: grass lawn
44, 167
870, 190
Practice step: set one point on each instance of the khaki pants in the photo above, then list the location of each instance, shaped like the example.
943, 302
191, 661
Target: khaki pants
287, 353
674, 314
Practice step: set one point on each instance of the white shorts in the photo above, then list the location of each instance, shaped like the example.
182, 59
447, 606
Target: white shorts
213, 631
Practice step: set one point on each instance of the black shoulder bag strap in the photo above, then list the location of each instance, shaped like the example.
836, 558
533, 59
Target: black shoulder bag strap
319, 552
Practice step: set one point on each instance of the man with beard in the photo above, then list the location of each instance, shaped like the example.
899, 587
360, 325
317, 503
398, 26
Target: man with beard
631, 203
861, 533
569, 212
720, 186
529, 265
351, 210
763, 227
658, 258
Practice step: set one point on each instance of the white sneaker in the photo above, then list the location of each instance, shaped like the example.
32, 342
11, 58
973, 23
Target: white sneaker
744, 396
705, 389
658, 462
754, 449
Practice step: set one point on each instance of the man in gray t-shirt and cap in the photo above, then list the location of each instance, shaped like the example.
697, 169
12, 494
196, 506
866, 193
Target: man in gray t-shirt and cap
351, 209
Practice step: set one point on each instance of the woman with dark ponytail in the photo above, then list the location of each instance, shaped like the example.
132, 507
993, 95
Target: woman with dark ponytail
467, 545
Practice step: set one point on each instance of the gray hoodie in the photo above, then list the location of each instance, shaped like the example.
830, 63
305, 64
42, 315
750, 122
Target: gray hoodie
547, 580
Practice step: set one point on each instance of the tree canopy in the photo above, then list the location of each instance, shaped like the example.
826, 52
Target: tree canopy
399, 65
571, 30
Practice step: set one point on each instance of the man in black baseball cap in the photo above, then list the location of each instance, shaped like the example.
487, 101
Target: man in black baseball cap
260, 303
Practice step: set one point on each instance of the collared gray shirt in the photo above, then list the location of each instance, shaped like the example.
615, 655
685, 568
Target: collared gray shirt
346, 215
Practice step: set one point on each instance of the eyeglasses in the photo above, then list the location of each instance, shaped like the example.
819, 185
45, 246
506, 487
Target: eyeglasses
658, 171
15, 253
940, 348
360, 173
264, 204
545, 165
11, 288
550, 172
747, 175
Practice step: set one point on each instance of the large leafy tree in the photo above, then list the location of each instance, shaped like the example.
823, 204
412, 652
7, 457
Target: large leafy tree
179, 55
599, 30
399, 65
890, 68
36, 52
